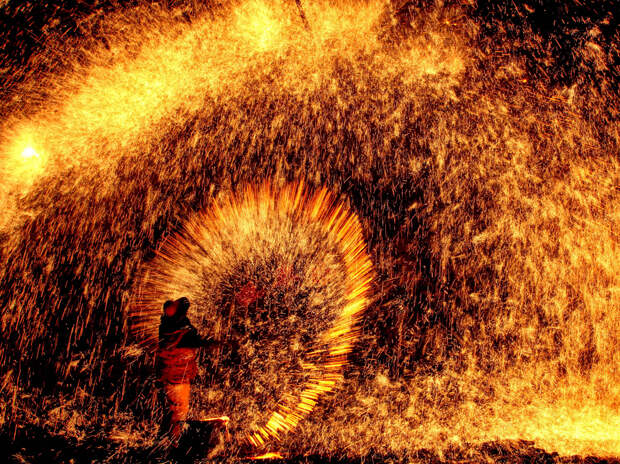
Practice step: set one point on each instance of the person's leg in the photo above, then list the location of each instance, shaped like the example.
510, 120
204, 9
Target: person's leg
178, 399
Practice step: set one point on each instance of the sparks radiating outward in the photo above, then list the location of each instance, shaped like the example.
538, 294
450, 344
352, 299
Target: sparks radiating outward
477, 146
303, 256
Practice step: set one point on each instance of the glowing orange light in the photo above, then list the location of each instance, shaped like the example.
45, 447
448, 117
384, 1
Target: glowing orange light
551, 242
267, 456
30, 152
224, 419
254, 211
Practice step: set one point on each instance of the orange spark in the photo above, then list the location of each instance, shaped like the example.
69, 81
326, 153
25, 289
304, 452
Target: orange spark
265, 456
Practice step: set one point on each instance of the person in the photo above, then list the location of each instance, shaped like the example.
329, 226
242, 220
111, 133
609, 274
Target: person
179, 342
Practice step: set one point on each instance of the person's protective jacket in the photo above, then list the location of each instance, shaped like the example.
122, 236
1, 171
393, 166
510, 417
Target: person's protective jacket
178, 348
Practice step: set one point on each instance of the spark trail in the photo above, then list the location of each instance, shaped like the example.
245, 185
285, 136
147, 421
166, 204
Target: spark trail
482, 165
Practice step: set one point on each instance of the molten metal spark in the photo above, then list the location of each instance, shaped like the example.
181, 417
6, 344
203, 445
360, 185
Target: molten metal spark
292, 231
510, 252
222, 419
266, 456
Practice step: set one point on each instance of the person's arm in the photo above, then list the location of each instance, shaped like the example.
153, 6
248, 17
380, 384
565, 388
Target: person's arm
192, 339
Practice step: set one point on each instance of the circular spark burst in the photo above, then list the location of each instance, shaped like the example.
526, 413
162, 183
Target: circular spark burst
281, 276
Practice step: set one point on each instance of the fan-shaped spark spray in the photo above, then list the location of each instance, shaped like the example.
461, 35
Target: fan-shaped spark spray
282, 274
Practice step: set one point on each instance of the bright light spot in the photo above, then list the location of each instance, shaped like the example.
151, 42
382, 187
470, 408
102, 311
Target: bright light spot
30, 152
259, 26
267, 456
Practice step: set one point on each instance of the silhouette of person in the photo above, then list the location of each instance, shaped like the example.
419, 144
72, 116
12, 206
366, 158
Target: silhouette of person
179, 342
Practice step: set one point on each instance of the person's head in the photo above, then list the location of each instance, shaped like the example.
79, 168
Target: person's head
177, 308
169, 308
182, 305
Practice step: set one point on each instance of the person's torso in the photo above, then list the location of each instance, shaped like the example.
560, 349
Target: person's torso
177, 353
